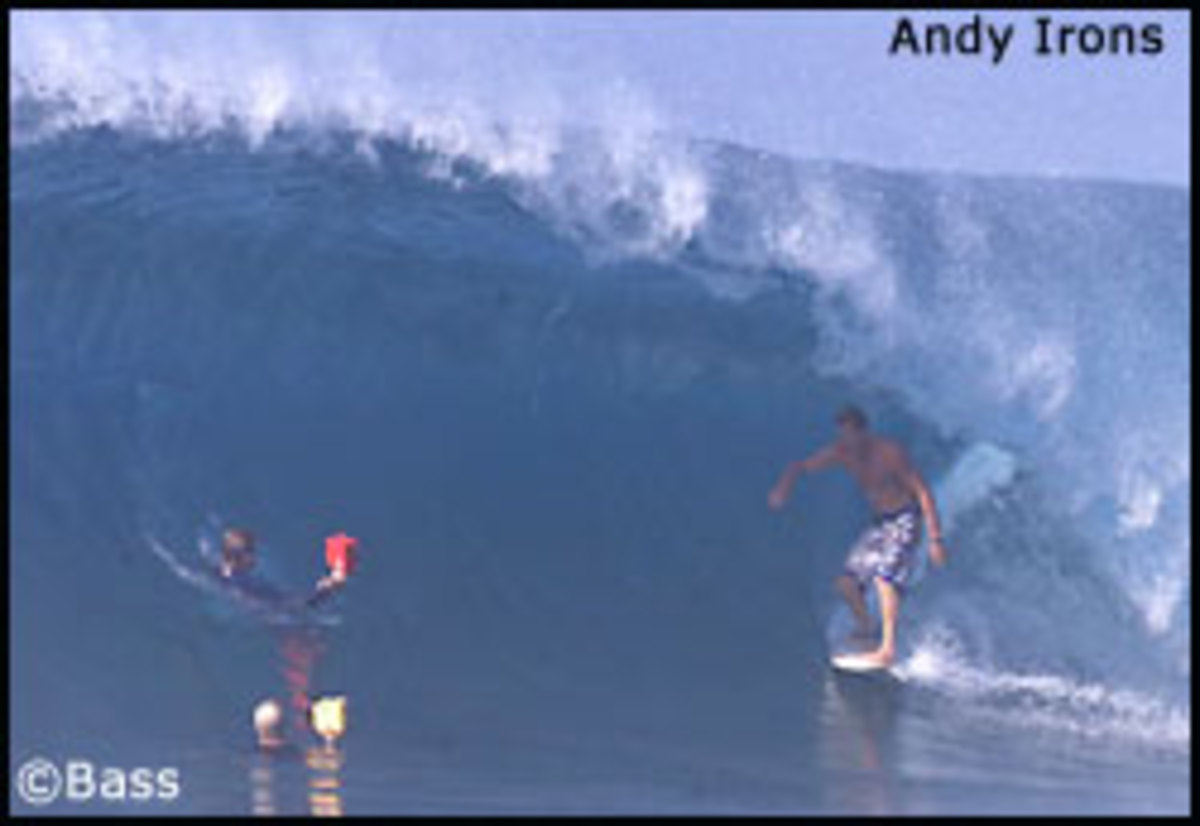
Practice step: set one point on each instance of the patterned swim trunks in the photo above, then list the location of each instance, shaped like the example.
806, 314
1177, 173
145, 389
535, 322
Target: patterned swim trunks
887, 549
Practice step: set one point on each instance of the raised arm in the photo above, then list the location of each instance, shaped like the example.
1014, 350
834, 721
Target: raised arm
824, 458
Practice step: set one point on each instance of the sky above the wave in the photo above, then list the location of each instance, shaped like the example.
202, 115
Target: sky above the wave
805, 83
823, 84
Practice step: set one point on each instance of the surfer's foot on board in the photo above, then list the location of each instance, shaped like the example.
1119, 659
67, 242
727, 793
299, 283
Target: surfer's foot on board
879, 658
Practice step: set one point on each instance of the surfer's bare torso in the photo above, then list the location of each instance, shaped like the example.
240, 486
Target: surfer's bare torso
882, 471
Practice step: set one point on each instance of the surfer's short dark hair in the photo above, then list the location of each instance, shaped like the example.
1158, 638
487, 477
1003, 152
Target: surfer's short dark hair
852, 416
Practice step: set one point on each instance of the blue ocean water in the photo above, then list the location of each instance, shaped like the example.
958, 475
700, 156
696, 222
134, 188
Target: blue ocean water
547, 382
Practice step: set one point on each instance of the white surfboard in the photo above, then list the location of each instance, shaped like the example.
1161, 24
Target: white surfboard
857, 663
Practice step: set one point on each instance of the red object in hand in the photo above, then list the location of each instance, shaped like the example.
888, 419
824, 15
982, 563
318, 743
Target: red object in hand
341, 554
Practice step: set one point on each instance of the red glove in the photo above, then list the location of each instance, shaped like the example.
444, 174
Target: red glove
341, 554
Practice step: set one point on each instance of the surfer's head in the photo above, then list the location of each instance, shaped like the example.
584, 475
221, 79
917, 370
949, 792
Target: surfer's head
852, 425
237, 551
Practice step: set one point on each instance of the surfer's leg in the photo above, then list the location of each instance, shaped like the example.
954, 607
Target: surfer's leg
853, 595
889, 610
856, 575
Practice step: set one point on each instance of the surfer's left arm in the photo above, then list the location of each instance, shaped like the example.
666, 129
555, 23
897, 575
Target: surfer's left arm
326, 587
820, 460
937, 551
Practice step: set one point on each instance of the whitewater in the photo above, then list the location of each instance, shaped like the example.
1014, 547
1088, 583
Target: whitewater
546, 368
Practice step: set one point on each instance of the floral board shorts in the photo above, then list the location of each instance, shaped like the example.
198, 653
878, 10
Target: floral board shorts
887, 549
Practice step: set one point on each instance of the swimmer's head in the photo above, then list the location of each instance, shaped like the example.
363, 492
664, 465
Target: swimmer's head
237, 551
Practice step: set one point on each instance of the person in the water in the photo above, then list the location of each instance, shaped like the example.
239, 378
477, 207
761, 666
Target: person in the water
884, 555
237, 553
238, 558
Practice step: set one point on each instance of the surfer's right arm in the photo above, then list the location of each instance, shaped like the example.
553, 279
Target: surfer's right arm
783, 488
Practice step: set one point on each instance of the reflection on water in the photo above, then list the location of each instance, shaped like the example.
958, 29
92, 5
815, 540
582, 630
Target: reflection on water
273, 769
325, 781
263, 802
274, 784
859, 716
300, 650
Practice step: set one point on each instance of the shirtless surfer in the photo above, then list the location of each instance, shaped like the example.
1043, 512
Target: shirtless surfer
885, 552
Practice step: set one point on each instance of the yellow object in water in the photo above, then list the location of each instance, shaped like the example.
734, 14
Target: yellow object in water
328, 717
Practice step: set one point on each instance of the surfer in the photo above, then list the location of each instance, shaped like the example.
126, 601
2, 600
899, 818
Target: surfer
884, 554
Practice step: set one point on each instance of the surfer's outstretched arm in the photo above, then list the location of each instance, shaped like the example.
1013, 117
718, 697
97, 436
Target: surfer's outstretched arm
820, 460
326, 587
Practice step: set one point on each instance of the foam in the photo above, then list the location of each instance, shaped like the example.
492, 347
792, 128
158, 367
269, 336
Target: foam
1047, 702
